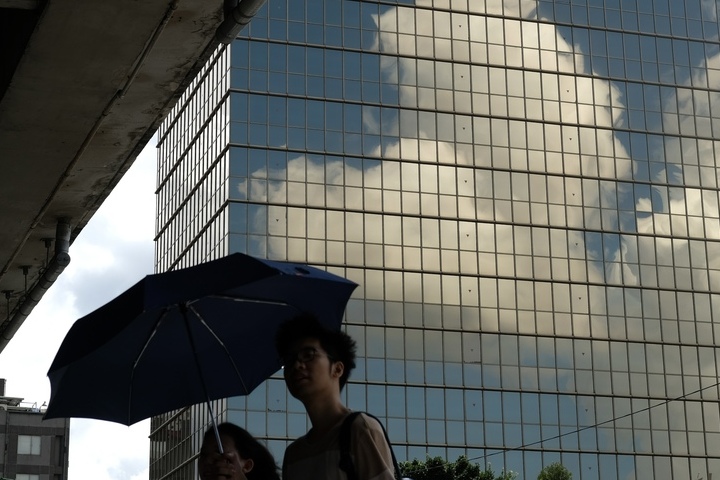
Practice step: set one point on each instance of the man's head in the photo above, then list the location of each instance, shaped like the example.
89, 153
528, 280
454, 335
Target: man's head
338, 345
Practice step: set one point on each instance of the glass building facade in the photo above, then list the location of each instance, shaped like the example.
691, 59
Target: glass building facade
527, 194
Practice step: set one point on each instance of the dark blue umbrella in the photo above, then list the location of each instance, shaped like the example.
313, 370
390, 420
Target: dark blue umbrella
188, 336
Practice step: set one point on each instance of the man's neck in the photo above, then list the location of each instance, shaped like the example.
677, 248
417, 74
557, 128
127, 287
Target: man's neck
325, 414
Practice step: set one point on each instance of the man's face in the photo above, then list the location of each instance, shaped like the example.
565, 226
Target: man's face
309, 370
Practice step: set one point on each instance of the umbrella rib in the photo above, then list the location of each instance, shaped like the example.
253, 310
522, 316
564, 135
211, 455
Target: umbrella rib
251, 300
184, 309
221, 343
140, 355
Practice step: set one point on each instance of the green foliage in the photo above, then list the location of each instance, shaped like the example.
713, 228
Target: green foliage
555, 471
438, 468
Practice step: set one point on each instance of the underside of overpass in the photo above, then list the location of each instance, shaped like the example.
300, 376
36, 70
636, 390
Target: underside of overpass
83, 87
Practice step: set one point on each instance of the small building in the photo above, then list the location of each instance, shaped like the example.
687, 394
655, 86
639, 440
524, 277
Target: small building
34, 449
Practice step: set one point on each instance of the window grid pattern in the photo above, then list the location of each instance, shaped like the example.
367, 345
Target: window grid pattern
527, 194
192, 177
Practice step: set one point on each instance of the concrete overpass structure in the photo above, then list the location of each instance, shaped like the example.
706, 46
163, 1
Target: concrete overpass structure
83, 87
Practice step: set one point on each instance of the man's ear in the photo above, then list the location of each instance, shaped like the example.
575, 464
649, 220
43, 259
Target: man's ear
338, 368
248, 465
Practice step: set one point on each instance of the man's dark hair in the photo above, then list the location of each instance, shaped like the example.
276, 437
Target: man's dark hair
339, 346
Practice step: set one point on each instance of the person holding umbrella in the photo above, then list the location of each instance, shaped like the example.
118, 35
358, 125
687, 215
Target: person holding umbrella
244, 457
316, 364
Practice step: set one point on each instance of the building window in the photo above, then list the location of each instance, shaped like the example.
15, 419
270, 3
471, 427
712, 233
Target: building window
28, 445
27, 476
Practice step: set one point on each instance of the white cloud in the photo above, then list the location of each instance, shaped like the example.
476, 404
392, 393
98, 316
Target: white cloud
122, 455
114, 251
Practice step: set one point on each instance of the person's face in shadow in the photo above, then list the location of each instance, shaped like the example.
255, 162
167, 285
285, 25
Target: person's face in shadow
226, 466
310, 372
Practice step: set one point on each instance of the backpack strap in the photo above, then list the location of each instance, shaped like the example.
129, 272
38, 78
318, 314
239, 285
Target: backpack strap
346, 462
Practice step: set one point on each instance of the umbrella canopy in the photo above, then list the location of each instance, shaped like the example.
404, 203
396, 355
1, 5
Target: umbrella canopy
187, 336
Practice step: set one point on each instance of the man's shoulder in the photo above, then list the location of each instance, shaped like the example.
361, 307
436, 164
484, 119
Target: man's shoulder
297, 445
366, 420
369, 448
295, 450
367, 430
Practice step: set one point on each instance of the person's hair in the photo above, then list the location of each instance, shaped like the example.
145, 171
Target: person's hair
339, 346
264, 466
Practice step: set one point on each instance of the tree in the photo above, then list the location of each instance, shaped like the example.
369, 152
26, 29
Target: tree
555, 471
437, 468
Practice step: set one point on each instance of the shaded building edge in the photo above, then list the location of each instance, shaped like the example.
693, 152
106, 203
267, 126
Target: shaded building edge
34, 448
